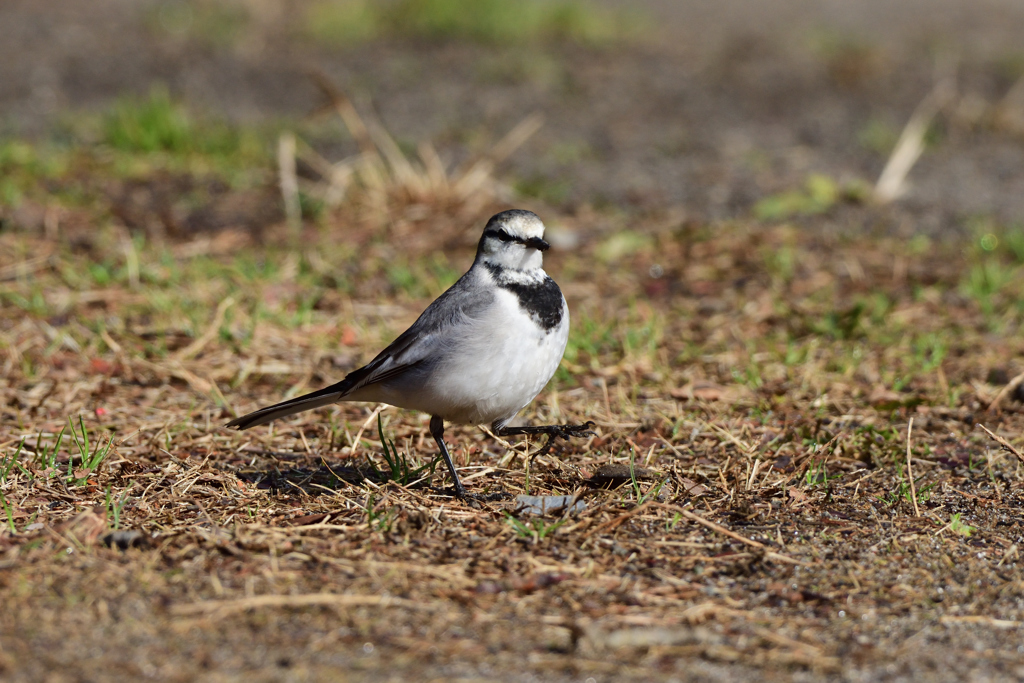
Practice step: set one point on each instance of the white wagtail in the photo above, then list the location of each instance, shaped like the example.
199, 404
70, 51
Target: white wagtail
479, 353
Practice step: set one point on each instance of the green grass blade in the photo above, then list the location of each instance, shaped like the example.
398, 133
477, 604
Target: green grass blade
9, 463
9, 512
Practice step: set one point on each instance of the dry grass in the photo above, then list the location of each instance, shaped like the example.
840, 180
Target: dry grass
382, 181
764, 508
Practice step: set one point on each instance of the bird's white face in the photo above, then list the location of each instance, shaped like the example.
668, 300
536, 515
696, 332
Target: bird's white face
513, 240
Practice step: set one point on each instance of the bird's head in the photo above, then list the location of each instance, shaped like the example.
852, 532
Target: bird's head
513, 239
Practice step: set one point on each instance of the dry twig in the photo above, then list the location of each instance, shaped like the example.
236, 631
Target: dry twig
289, 181
910, 472
1010, 388
196, 347
892, 183
731, 534
1004, 443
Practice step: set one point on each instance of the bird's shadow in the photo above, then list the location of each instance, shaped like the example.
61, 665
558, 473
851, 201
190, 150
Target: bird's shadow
281, 478
311, 480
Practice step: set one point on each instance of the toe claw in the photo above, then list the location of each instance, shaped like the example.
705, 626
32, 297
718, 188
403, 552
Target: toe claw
580, 430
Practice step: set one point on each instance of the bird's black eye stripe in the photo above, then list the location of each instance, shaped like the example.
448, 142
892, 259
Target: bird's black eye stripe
503, 236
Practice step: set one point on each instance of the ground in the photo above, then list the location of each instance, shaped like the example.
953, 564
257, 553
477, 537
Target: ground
790, 373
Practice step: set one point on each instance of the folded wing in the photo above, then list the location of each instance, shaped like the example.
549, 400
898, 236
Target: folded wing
428, 338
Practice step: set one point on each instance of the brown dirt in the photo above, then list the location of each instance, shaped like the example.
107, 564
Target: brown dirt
783, 543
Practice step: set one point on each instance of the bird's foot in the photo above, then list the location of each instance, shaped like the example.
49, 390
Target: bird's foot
554, 432
579, 431
560, 431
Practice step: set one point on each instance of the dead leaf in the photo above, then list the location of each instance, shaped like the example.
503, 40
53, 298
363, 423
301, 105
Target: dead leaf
691, 487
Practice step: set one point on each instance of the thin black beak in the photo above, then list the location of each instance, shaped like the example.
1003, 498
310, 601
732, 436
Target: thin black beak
537, 243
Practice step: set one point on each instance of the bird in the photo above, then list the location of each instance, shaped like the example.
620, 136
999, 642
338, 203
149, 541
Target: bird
478, 354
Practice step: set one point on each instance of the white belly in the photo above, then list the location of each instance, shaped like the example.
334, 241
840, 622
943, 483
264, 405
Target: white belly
490, 372
513, 359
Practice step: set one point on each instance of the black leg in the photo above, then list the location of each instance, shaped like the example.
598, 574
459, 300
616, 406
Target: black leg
553, 431
437, 431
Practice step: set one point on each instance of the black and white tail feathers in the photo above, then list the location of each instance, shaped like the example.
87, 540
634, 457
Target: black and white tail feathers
324, 397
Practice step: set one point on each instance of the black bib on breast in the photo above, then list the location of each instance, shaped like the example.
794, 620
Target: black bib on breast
542, 300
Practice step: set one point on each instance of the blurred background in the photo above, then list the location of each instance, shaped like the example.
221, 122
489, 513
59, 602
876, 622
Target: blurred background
699, 107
